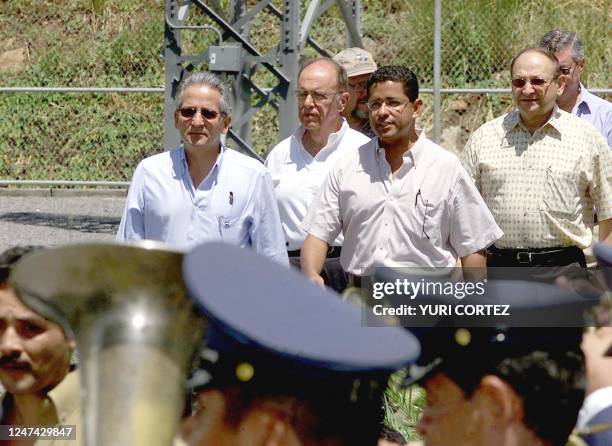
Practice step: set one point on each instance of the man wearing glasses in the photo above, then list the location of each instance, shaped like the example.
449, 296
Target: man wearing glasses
300, 163
575, 99
359, 64
202, 191
400, 199
540, 170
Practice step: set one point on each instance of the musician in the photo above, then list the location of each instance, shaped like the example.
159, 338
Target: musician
286, 362
40, 388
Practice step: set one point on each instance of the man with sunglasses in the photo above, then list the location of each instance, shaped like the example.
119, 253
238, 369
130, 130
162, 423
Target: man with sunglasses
203, 191
359, 64
575, 99
400, 199
540, 170
300, 163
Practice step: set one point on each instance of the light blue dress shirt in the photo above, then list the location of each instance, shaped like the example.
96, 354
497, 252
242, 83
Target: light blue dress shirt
235, 203
597, 111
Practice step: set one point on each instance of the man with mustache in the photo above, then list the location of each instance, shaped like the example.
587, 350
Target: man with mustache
41, 389
300, 163
359, 64
400, 199
202, 191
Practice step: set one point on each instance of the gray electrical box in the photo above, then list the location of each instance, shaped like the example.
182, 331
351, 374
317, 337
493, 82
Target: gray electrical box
225, 58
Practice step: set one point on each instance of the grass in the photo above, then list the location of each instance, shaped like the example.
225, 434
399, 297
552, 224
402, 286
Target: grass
104, 43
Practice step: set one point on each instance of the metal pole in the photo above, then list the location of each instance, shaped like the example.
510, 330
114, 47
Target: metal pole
173, 73
289, 59
241, 92
436, 80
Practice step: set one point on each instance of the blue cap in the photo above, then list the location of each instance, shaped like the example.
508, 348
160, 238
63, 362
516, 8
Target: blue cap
456, 341
267, 322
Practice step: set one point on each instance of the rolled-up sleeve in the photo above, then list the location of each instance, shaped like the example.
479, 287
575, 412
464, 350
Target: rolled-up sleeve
473, 227
266, 235
132, 225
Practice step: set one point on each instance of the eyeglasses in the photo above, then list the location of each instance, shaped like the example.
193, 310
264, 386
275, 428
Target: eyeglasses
535, 82
359, 86
190, 112
317, 96
391, 104
566, 70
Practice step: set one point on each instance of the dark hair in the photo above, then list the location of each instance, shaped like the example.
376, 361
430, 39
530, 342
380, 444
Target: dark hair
547, 379
543, 51
341, 80
392, 436
557, 40
11, 256
397, 73
316, 411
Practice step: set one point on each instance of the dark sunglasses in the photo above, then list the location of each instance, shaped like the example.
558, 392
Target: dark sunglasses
190, 112
519, 82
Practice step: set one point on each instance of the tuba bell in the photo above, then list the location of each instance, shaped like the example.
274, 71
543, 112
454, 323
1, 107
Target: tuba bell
135, 330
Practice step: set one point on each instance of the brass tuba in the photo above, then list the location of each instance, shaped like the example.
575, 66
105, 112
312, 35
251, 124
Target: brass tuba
135, 329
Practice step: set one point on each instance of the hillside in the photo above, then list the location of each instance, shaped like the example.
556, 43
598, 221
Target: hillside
119, 43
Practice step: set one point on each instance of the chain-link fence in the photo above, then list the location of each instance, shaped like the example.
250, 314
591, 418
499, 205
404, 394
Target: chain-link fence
119, 44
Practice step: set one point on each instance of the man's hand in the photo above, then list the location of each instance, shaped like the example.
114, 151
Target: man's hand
312, 258
474, 266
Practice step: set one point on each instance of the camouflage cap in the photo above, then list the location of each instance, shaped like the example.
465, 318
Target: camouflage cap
356, 61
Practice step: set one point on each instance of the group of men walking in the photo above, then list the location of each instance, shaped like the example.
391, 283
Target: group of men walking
337, 203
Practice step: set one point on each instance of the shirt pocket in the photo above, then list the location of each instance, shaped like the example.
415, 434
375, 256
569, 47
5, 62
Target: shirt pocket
232, 229
430, 218
561, 192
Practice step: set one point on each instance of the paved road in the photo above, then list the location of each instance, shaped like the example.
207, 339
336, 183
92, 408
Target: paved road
57, 220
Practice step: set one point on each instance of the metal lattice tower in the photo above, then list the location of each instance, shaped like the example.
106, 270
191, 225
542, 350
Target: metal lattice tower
233, 54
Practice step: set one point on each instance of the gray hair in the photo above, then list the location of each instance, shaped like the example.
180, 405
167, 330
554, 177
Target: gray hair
557, 40
210, 80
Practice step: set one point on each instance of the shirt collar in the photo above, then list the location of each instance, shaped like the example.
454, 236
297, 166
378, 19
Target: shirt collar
514, 119
217, 164
332, 140
415, 155
583, 104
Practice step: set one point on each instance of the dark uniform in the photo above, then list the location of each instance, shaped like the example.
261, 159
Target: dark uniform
279, 345
598, 431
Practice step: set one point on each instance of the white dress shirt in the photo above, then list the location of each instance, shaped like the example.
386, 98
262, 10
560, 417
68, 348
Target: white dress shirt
426, 215
235, 203
297, 176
